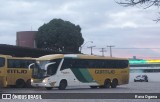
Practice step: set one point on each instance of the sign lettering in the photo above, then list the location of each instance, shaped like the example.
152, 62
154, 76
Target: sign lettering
17, 71
104, 71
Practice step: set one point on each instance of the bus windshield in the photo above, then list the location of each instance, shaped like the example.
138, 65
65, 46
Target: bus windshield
39, 70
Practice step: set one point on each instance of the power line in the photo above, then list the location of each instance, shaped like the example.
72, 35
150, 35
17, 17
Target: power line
136, 48
85, 44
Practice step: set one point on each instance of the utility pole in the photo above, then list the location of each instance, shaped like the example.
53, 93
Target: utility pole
91, 47
110, 49
103, 50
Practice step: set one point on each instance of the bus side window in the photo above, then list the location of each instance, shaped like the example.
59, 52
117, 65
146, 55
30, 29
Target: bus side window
103, 64
80, 63
22, 63
99, 63
51, 70
11, 63
2, 62
90, 64
26, 63
64, 65
93, 63
123, 64
17, 63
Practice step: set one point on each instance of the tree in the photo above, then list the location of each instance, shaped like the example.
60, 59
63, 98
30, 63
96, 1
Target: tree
59, 35
145, 3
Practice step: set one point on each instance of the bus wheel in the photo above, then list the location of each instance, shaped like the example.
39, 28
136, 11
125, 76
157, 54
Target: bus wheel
28, 83
62, 85
107, 83
20, 83
114, 83
49, 88
93, 87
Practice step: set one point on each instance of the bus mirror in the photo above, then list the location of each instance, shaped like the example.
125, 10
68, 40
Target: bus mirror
29, 67
48, 64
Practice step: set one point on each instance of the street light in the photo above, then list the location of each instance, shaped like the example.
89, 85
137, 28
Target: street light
85, 44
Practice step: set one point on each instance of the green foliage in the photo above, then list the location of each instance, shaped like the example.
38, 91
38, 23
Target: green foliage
59, 35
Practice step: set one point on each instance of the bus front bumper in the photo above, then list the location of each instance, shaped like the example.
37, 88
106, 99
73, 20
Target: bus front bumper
51, 84
41, 85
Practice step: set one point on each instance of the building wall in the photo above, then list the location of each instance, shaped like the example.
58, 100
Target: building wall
26, 39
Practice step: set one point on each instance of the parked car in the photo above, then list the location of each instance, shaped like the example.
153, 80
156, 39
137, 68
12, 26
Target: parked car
141, 78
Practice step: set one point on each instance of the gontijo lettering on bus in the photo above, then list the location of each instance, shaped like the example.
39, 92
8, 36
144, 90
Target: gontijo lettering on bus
10, 71
104, 71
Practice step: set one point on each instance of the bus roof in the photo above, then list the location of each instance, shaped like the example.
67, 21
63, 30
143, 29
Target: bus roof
84, 56
5, 55
49, 57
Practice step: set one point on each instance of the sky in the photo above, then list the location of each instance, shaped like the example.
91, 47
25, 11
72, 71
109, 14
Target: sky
102, 21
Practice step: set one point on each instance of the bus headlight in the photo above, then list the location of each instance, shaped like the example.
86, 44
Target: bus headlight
44, 81
31, 80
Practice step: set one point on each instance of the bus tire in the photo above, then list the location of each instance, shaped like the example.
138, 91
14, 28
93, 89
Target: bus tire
107, 83
28, 83
62, 85
93, 87
49, 88
114, 83
20, 83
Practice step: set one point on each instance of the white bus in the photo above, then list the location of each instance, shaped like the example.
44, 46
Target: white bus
61, 70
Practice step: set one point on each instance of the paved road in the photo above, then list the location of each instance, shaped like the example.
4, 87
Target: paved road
138, 87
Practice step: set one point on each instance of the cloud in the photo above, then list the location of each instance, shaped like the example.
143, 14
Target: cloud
104, 22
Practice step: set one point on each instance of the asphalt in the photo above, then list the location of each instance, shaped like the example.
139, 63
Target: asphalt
133, 88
